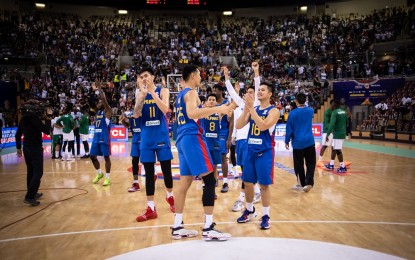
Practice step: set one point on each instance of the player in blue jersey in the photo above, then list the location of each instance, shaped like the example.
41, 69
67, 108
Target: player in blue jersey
194, 156
225, 137
259, 159
101, 143
153, 104
134, 124
211, 127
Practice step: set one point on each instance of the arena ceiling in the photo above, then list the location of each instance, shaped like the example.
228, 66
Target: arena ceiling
183, 4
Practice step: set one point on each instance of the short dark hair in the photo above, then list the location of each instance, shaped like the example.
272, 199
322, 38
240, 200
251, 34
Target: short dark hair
187, 70
270, 87
336, 103
301, 98
146, 69
211, 95
250, 87
220, 87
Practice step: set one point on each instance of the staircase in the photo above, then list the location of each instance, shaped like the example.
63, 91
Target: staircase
319, 115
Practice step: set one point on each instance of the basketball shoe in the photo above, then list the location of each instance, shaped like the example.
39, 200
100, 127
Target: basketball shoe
134, 187
238, 206
170, 200
247, 216
148, 214
97, 178
329, 167
180, 232
264, 222
210, 233
342, 170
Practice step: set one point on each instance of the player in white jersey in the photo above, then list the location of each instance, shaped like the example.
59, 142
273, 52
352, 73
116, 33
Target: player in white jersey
241, 135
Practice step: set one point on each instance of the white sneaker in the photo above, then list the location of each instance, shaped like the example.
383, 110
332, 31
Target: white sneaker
209, 234
238, 206
181, 232
297, 187
257, 197
307, 188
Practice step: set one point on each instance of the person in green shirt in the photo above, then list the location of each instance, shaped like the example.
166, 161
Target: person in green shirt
338, 121
84, 130
68, 123
326, 124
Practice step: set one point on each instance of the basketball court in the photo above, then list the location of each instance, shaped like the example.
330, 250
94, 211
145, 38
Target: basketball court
367, 213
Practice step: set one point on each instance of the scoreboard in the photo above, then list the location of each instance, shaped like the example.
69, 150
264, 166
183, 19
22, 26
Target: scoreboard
193, 2
156, 2
176, 3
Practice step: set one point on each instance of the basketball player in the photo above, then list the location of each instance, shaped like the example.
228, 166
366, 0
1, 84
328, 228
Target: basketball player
155, 140
225, 137
242, 134
338, 121
129, 121
68, 123
84, 130
194, 157
211, 127
326, 123
259, 158
57, 137
101, 143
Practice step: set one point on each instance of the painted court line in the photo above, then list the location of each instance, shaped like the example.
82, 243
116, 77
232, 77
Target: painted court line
200, 224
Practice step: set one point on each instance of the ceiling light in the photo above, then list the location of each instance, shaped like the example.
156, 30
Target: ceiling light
40, 5
227, 13
122, 12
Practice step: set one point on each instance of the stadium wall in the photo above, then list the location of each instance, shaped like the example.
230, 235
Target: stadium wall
361, 7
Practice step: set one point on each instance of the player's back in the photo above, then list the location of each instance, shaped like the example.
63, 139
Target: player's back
185, 125
102, 128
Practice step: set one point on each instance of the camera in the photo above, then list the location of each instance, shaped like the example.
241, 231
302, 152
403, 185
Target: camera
35, 108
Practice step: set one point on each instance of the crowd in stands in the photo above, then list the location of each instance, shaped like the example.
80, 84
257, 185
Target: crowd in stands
78, 51
396, 113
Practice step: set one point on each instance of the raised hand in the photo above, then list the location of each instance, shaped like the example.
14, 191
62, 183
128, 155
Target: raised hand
225, 72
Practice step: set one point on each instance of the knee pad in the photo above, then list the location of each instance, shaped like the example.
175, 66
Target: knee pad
208, 197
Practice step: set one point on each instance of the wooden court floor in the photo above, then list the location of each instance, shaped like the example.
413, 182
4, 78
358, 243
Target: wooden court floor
371, 207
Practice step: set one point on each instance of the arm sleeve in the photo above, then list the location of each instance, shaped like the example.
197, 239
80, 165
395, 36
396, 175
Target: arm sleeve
235, 97
257, 83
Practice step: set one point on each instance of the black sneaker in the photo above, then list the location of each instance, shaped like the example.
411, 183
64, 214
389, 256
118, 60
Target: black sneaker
32, 202
225, 188
38, 195
85, 156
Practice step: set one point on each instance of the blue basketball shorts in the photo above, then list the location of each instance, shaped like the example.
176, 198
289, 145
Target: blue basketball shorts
259, 167
194, 155
135, 150
149, 155
100, 149
241, 149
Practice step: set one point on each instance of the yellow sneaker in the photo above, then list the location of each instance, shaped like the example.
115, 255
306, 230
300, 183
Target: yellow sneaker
97, 178
106, 182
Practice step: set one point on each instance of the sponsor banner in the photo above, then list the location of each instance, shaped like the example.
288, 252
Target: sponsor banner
118, 133
366, 93
280, 131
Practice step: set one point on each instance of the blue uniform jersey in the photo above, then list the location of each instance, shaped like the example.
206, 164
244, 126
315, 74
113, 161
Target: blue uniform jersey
185, 125
224, 124
135, 127
260, 140
211, 129
154, 126
102, 129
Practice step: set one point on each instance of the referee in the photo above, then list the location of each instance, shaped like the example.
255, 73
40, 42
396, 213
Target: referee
32, 127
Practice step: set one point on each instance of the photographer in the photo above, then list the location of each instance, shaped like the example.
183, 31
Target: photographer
31, 127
